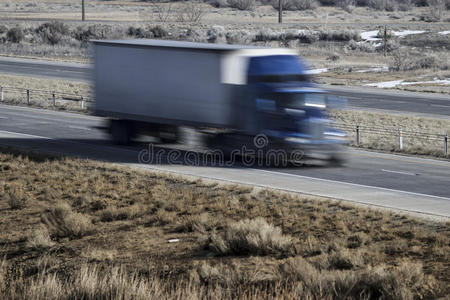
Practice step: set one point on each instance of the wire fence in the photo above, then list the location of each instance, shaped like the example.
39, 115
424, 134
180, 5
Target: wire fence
27, 96
357, 131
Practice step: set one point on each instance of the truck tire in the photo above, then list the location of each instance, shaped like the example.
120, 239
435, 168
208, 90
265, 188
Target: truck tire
121, 131
337, 161
169, 134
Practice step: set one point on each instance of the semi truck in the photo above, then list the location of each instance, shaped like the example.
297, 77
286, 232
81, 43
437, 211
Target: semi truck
234, 93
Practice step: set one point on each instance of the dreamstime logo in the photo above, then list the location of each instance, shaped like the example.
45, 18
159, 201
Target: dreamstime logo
260, 141
259, 155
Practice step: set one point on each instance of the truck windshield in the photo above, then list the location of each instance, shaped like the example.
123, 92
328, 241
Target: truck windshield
300, 100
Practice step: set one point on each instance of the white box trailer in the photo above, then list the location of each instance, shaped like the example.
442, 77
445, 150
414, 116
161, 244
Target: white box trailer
170, 82
156, 86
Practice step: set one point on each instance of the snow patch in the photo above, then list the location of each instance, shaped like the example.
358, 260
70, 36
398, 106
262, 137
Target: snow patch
444, 32
394, 83
407, 32
376, 69
370, 35
316, 71
386, 84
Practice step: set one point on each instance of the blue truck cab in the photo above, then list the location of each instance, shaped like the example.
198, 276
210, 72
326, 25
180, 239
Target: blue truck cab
291, 110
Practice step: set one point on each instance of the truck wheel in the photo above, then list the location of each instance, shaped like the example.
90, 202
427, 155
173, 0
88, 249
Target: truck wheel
169, 135
337, 161
121, 132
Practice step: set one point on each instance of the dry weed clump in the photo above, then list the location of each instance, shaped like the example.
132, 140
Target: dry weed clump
16, 195
40, 240
16, 200
252, 237
366, 283
91, 283
201, 223
124, 213
63, 222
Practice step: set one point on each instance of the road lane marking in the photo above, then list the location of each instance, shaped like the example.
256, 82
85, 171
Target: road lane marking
404, 158
399, 172
354, 184
79, 127
439, 105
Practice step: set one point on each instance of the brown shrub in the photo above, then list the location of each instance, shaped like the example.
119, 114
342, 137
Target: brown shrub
91, 283
124, 213
16, 195
63, 222
252, 237
40, 240
197, 223
345, 260
242, 4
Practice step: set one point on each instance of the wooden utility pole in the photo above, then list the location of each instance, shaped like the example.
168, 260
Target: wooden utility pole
280, 11
83, 13
385, 40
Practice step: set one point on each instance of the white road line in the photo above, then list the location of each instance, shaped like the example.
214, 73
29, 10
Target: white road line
439, 105
404, 158
354, 184
79, 127
27, 135
399, 172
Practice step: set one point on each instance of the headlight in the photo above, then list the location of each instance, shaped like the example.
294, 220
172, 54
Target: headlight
296, 140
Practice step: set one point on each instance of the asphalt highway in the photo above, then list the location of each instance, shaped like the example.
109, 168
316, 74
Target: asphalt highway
362, 98
397, 182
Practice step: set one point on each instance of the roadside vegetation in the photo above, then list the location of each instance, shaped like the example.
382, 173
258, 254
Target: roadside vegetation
326, 32
41, 92
380, 131
93, 230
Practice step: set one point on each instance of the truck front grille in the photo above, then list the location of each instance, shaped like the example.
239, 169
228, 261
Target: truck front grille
316, 130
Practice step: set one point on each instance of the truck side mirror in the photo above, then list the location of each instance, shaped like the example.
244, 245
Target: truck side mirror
335, 102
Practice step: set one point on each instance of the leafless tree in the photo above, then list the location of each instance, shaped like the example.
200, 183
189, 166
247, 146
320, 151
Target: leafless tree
162, 9
192, 12
437, 7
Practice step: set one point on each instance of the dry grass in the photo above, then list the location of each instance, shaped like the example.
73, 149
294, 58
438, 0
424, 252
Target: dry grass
251, 237
15, 195
63, 222
41, 89
373, 135
40, 239
335, 250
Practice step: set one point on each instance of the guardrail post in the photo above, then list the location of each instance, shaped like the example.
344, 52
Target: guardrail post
54, 99
28, 97
82, 102
357, 135
446, 144
400, 138
1, 93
